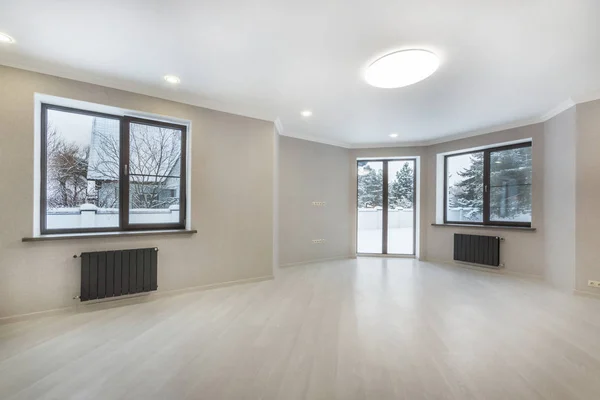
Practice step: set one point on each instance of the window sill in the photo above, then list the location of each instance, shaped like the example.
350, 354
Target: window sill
493, 227
97, 235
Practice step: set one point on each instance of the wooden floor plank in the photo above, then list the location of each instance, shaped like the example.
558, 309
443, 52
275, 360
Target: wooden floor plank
347, 329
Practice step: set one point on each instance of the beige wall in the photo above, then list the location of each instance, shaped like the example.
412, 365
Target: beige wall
232, 199
559, 199
308, 172
588, 196
522, 251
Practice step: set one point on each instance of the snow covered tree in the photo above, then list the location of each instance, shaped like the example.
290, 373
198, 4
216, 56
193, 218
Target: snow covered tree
67, 170
468, 192
370, 184
154, 164
401, 190
510, 185
79, 174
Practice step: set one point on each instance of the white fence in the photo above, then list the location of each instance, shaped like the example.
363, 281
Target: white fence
463, 214
370, 218
90, 216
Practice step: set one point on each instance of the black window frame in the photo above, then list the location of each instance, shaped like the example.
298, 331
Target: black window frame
486, 187
124, 140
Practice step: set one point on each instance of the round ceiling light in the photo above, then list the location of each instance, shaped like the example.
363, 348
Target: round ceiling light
4, 38
402, 68
306, 113
172, 79
393, 135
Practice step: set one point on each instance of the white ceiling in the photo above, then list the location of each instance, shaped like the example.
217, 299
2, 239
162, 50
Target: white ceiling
502, 61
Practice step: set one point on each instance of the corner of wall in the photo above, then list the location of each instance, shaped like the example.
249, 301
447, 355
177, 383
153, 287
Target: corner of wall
559, 200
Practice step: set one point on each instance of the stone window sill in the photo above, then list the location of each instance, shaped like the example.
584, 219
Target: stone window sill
492, 227
96, 235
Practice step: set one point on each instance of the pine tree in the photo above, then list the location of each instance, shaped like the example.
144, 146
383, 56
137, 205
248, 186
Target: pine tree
510, 183
402, 188
468, 192
510, 180
370, 184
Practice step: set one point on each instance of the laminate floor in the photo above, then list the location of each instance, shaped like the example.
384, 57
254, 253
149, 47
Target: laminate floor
370, 328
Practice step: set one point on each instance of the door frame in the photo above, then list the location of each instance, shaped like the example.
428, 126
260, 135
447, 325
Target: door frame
385, 207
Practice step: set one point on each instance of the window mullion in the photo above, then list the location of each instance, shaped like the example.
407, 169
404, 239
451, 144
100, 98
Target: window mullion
445, 189
44, 171
124, 175
384, 209
183, 179
486, 187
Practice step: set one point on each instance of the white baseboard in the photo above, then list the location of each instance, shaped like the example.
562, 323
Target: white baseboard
120, 301
318, 260
492, 270
586, 294
37, 314
409, 256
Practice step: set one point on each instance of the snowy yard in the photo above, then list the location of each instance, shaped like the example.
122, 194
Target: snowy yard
400, 241
400, 232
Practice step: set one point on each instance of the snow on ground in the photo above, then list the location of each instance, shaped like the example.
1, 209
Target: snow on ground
400, 241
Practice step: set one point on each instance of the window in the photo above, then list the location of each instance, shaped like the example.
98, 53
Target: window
489, 187
102, 172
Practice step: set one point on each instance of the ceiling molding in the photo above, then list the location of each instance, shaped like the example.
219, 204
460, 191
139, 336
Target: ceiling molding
278, 125
280, 129
586, 97
184, 98
562, 107
316, 139
484, 131
382, 145
458, 136
177, 96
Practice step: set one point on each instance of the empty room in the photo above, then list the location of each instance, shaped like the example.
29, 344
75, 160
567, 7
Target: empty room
300, 200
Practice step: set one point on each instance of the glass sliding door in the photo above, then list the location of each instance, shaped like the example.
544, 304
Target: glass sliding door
386, 207
401, 207
370, 207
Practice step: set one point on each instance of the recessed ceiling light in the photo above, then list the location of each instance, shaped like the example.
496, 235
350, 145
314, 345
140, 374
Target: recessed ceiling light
306, 113
4, 38
393, 135
402, 68
172, 79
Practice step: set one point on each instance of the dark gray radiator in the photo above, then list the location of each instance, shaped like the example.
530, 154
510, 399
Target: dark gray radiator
117, 273
477, 249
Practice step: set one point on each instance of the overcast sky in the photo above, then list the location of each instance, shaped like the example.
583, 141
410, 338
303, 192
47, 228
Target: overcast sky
75, 128
456, 164
393, 166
